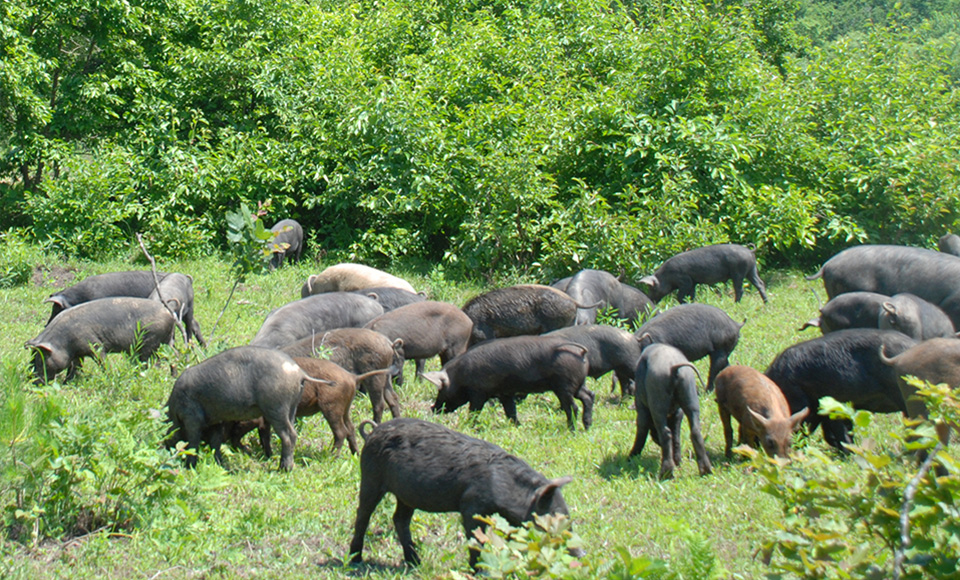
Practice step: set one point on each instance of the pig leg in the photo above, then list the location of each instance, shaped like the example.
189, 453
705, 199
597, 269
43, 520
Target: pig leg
509, 405
837, 433
263, 431
371, 492
667, 463
351, 432
419, 366
643, 427
737, 287
754, 278
718, 361
335, 419
675, 419
214, 437
401, 522
390, 396
586, 399
691, 408
727, 431
686, 289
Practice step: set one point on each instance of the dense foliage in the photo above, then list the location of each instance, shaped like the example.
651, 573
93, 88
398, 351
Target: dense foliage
494, 135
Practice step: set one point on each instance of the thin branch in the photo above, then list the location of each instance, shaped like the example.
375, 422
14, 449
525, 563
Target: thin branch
909, 493
156, 285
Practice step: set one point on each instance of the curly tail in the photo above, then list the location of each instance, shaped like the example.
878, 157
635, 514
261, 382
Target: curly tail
363, 434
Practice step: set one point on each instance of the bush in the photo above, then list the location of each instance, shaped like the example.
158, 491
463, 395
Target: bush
885, 516
18, 258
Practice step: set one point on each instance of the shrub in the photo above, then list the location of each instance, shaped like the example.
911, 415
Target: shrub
18, 258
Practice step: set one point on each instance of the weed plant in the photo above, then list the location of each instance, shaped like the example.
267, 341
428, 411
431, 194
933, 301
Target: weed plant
89, 492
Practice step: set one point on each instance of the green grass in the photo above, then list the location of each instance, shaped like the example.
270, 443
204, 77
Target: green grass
252, 521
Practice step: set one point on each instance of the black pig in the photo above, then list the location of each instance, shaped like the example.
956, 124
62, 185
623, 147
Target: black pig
608, 349
849, 310
915, 317
697, 330
506, 367
138, 284
435, 469
176, 290
846, 366
518, 310
707, 265
287, 242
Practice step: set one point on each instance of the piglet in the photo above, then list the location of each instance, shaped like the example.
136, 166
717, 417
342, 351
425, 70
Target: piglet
665, 387
435, 469
759, 407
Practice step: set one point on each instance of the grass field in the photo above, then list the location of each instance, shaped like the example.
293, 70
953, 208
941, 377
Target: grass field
251, 521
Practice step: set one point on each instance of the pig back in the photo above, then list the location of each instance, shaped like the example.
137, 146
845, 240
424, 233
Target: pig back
116, 324
138, 284
696, 329
518, 310
314, 315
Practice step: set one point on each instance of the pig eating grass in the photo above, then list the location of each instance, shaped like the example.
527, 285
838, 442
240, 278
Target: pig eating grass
435, 469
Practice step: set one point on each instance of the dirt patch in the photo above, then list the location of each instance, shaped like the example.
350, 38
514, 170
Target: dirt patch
58, 276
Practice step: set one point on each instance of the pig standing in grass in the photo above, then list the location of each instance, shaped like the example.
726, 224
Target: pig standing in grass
432, 468
759, 407
427, 329
506, 367
138, 284
608, 349
518, 310
359, 350
666, 391
707, 265
287, 242
97, 327
914, 317
238, 384
697, 330
331, 395
176, 290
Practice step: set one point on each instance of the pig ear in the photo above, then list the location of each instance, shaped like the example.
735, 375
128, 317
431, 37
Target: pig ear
397, 343
890, 307
373, 295
59, 301
645, 340
798, 416
45, 346
760, 418
544, 494
650, 281
439, 378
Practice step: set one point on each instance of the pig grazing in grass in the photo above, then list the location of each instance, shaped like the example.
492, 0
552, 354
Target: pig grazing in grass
176, 290
707, 265
137, 284
238, 384
506, 367
93, 328
666, 391
435, 469
519, 310
759, 407
359, 350
331, 396
287, 242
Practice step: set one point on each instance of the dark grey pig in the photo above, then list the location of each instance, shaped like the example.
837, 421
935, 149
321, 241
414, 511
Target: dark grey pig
846, 366
915, 317
949, 244
238, 384
506, 367
666, 391
518, 310
93, 328
314, 315
604, 290
608, 349
435, 469
931, 275
138, 284
391, 298
427, 329
176, 290
634, 305
360, 351
707, 265
287, 242
849, 310
697, 330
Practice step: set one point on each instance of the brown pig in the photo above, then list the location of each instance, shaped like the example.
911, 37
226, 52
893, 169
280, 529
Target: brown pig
760, 408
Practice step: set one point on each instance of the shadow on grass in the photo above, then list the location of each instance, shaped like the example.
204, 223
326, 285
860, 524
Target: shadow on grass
364, 569
619, 465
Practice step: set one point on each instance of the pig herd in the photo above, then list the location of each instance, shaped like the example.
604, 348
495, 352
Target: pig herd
892, 312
